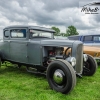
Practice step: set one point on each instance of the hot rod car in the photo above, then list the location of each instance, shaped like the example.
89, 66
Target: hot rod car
35, 47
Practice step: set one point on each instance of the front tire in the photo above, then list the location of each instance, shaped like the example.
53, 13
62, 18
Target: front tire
61, 76
90, 66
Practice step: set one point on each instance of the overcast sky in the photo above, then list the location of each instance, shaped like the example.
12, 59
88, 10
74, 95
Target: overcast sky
48, 13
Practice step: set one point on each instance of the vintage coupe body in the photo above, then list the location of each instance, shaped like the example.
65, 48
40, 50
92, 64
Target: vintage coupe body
35, 47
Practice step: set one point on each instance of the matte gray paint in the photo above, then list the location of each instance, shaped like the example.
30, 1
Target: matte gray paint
32, 51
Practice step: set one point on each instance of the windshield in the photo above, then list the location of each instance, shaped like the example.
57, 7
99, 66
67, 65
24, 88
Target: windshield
35, 33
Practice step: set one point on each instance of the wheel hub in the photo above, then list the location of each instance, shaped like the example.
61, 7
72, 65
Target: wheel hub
58, 76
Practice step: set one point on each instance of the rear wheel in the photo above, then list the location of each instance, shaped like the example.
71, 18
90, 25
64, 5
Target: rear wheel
98, 61
90, 66
61, 76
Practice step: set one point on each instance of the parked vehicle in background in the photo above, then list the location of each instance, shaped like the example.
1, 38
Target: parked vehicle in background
90, 40
60, 37
93, 51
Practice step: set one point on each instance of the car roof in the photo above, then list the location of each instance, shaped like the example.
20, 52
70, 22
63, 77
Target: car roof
30, 27
84, 35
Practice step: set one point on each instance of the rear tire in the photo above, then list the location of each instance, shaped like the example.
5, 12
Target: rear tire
98, 62
90, 66
61, 76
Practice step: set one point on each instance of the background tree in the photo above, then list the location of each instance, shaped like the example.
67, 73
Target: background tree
62, 34
57, 31
71, 31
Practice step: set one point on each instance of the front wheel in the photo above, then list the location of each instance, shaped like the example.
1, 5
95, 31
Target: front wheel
61, 76
90, 66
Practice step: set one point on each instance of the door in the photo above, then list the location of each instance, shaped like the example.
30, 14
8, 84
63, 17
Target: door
18, 45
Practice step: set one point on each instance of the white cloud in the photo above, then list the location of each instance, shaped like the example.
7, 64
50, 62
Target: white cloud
47, 13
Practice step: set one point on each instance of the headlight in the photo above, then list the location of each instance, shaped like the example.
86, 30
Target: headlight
71, 60
85, 57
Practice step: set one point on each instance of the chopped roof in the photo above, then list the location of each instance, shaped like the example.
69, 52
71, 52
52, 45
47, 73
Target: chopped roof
31, 27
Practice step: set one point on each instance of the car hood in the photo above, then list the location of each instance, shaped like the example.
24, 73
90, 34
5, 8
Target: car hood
58, 42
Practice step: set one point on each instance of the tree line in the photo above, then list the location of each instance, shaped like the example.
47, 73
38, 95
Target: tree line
71, 30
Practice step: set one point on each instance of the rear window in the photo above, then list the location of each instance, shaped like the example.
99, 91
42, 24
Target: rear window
74, 38
96, 38
88, 38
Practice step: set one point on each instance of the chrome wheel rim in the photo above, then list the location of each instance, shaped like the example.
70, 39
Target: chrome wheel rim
58, 76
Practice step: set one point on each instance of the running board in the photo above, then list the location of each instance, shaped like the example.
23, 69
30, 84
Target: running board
34, 71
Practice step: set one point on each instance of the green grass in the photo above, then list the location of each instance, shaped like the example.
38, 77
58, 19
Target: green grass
18, 84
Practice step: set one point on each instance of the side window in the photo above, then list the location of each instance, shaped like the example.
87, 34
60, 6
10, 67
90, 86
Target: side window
74, 38
88, 38
96, 38
18, 33
6, 33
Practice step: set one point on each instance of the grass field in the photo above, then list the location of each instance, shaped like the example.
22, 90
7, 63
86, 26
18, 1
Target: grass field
18, 84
